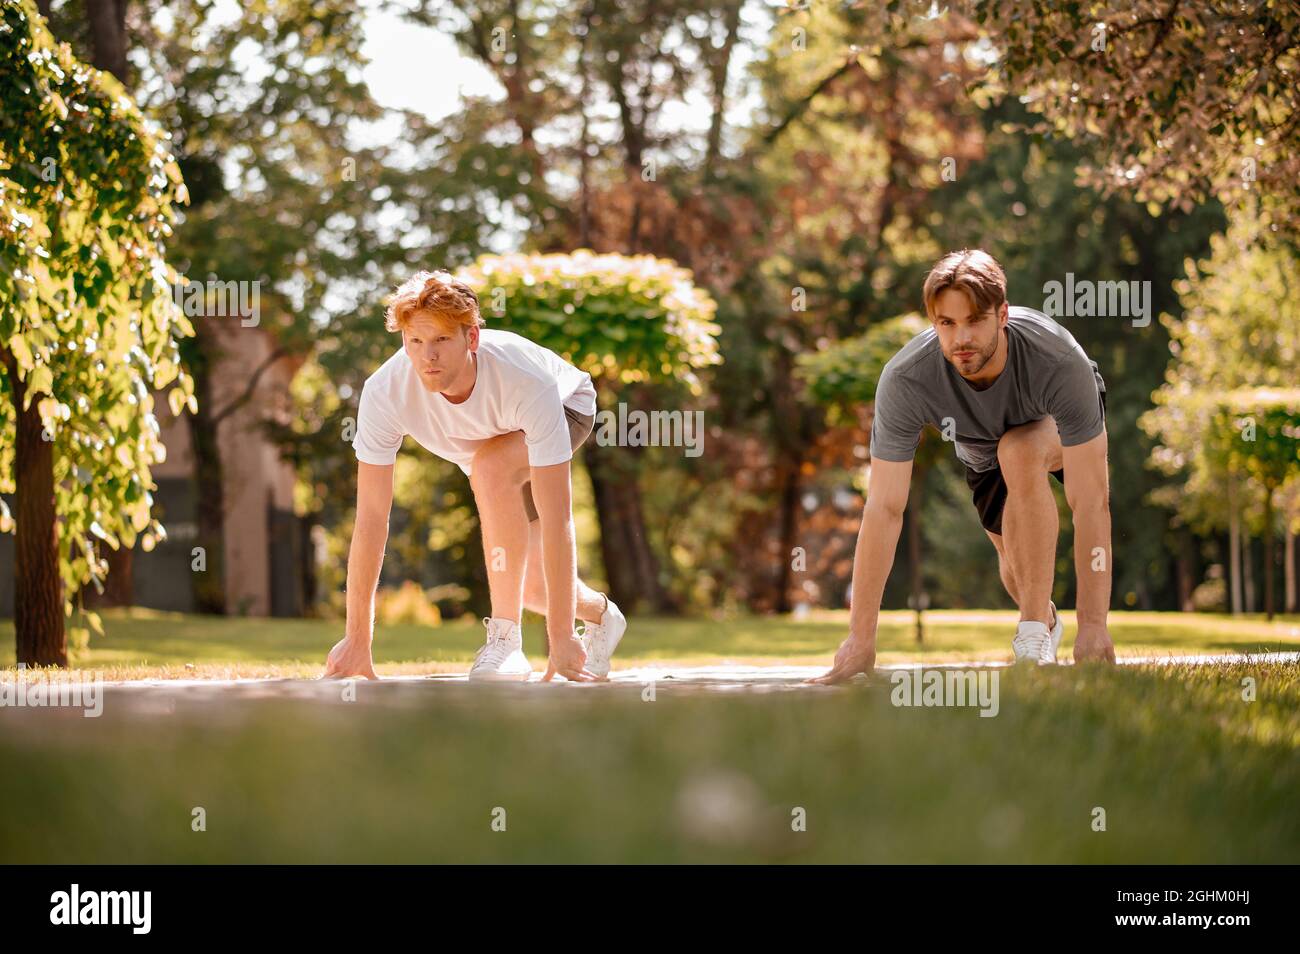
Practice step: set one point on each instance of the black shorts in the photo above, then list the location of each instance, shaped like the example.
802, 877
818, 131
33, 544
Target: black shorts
580, 427
989, 490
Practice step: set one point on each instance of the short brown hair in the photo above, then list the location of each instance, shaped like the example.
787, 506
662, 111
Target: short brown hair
437, 294
972, 271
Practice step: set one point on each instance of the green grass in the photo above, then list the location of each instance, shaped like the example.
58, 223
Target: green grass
139, 643
1185, 769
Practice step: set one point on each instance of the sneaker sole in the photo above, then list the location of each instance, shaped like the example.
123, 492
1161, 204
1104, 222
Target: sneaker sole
500, 676
617, 639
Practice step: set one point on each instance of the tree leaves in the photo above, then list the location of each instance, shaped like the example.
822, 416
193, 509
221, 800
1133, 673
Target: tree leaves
85, 297
1233, 336
1189, 102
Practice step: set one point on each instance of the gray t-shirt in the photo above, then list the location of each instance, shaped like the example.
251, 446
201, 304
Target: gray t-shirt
1046, 373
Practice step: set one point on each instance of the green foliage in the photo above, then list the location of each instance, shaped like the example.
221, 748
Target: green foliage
1188, 772
87, 189
623, 318
1234, 335
1258, 432
847, 373
154, 644
1187, 101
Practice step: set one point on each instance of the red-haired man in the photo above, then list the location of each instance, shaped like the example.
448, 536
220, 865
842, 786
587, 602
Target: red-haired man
510, 414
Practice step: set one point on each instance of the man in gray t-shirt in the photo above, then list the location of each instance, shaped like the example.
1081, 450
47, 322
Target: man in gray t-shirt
1046, 373
1019, 399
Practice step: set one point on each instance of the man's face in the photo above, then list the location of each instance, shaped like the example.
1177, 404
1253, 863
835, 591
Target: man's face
439, 351
968, 339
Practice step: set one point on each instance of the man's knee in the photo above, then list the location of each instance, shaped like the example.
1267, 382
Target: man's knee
498, 462
1025, 450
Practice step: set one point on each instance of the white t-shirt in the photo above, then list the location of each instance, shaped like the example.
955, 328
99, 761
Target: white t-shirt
521, 386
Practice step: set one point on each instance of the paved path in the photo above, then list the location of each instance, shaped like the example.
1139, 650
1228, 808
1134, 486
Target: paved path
164, 693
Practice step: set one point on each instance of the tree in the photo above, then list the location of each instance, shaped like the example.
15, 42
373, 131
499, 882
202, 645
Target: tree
269, 118
862, 110
1234, 334
88, 327
1189, 101
619, 179
1256, 431
107, 22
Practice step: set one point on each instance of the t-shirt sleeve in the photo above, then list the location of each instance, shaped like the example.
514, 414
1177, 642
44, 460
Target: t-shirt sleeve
378, 436
1074, 399
546, 428
895, 426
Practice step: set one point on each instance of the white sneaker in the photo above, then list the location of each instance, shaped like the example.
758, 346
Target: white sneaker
1034, 641
601, 639
1058, 630
502, 657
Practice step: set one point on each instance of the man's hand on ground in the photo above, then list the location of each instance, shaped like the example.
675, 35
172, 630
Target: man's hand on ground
569, 660
855, 655
350, 657
1093, 644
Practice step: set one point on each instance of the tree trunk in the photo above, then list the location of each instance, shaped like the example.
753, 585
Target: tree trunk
1234, 547
789, 488
210, 504
1288, 569
630, 564
38, 587
1186, 571
1247, 573
718, 73
584, 160
1269, 559
789, 434
913, 516
107, 19
119, 587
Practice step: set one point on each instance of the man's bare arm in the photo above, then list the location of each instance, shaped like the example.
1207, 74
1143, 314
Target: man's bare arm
882, 518
1087, 491
352, 655
552, 495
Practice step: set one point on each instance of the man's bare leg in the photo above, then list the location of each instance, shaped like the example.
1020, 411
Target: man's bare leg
591, 604
1004, 568
515, 575
1030, 523
1008, 576
499, 470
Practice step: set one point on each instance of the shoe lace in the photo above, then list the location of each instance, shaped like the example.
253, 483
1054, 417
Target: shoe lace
496, 647
1032, 644
585, 632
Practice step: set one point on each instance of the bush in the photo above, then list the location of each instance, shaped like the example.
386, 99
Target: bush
1210, 597
618, 317
407, 604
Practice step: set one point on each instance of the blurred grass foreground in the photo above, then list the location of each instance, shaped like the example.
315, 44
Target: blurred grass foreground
443, 772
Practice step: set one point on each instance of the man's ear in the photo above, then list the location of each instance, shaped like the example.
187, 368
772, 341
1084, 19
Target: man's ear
1004, 312
472, 335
